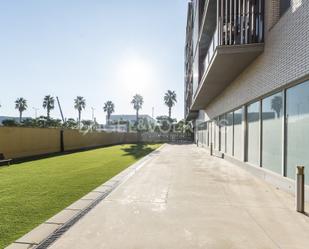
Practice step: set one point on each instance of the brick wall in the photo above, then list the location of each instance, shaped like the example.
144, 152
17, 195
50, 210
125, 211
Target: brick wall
285, 59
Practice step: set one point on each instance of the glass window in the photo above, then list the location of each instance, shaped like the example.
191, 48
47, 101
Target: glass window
222, 133
253, 129
272, 114
217, 135
229, 133
195, 26
212, 133
238, 134
204, 133
195, 74
207, 134
297, 111
284, 6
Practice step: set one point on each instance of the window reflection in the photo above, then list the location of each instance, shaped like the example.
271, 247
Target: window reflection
238, 134
253, 118
229, 133
272, 113
297, 110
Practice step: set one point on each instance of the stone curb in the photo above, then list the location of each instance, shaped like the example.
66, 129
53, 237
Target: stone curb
48, 232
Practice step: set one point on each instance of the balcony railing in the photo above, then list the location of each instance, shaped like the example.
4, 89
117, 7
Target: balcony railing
240, 22
232, 38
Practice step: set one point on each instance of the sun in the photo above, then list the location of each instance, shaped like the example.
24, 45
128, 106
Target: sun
136, 75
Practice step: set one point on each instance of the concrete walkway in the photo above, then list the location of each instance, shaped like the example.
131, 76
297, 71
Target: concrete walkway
183, 198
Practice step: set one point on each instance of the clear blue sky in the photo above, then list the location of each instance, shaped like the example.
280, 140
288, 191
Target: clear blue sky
99, 49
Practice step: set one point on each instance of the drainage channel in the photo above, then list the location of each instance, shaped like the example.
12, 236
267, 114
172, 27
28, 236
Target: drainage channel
58, 233
111, 186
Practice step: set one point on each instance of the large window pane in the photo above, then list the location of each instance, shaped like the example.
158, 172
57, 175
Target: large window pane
195, 74
297, 128
204, 133
229, 133
214, 134
222, 133
284, 6
272, 114
217, 134
207, 134
211, 133
238, 134
253, 126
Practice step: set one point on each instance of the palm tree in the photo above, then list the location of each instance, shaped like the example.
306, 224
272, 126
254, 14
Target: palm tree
48, 104
79, 105
21, 106
109, 108
276, 105
170, 100
137, 103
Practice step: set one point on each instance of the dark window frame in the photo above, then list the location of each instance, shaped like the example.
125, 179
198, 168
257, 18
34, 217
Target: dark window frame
284, 6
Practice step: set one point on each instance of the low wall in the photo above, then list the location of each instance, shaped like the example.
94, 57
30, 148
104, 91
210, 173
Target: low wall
74, 139
18, 142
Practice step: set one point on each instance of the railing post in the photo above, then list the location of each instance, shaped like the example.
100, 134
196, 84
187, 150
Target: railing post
300, 189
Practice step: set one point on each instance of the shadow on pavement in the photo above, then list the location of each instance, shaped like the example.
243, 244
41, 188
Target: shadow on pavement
138, 150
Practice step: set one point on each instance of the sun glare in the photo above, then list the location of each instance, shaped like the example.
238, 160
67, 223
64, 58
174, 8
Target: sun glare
136, 75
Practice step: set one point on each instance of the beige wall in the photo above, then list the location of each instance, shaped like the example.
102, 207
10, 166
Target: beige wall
22, 142
74, 139
19, 142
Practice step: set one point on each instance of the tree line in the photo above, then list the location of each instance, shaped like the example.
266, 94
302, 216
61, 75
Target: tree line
21, 104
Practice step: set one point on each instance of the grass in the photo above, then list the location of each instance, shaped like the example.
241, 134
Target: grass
32, 192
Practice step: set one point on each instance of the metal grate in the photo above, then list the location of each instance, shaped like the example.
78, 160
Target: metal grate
58, 233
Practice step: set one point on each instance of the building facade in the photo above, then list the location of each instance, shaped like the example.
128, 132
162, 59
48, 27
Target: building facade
131, 118
247, 81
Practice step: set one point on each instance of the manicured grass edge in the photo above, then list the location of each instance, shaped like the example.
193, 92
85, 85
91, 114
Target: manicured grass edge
110, 185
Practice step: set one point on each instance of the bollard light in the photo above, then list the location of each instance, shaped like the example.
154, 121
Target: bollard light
300, 189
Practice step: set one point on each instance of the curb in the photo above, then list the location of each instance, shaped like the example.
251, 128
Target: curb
48, 232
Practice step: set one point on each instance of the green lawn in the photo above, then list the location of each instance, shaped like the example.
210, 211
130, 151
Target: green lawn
32, 192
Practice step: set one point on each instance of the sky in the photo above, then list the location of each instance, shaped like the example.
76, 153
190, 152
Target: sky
99, 49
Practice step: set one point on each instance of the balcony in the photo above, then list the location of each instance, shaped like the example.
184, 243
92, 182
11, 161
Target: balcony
237, 40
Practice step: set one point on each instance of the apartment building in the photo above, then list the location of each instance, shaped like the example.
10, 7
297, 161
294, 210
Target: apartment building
247, 81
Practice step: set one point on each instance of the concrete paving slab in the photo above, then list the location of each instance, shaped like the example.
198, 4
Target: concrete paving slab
62, 217
183, 198
121, 175
20, 246
162, 226
102, 189
91, 196
79, 205
269, 218
38, 234
111, 182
